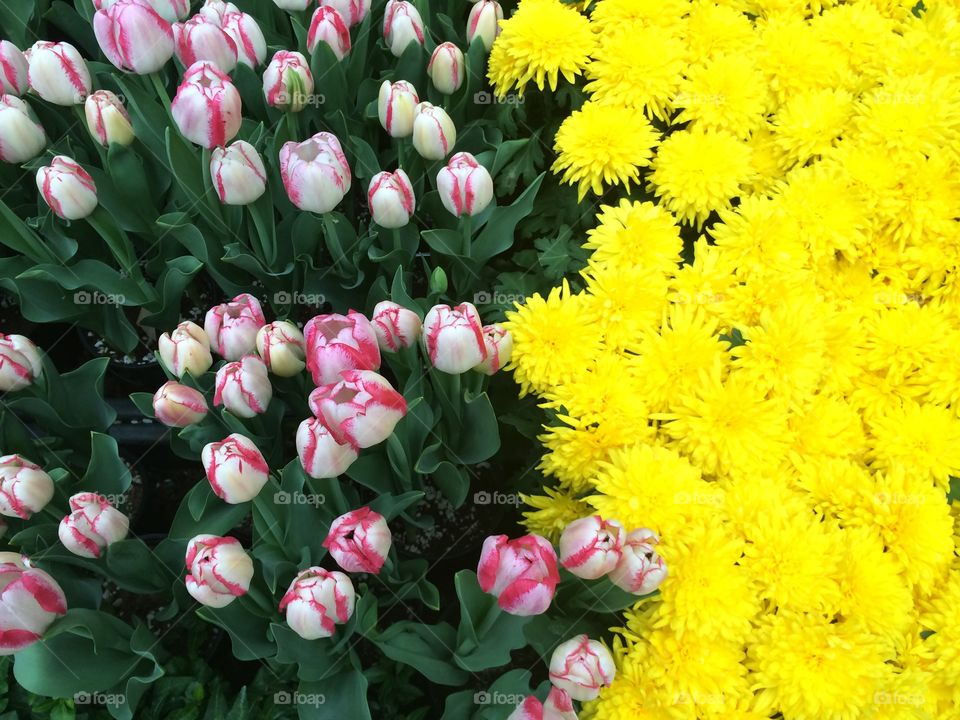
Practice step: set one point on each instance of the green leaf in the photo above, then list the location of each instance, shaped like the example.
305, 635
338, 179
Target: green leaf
201, 511
498, 234
428, 649
249, 632
132, 566
483, 440
106, 473
340, 696
486, 635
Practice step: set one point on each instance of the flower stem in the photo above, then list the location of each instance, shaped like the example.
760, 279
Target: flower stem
161, 91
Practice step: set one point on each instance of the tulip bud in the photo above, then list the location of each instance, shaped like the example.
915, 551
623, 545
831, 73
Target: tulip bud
235, 468
134, 36
396, 326
362, 409
454, 338
238, 174
484, 22
340, 342
402, 25
57, 73
30, 600
581, 666
287, 81
107, 119
558, 706
465, 185
200, 39
20, 363
13, 70
391, 199
247, 36
171, 10
186, 349
232, 327
67, 188
21, 136
281, 347
206, 107
328, 26
316, 601
177, 405
396, 106
218, 570
434, 134
359, 541
315, 172
521, 573
640, 569
216, 11
25, 488
352, 11
591, 547
320, 454
292, 5
93, 525
243, 387
446, 68
499, 344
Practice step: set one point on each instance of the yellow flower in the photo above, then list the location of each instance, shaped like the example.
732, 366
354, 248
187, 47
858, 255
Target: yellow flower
810, 123
715, 29
635, 233
727, 92
628, 301
553, 512
612, 15
575, 450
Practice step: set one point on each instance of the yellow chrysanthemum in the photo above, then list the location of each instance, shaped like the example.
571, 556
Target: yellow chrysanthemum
726, 93
635, 233
553, 512
810, 123
922, 440
575, 450
714, 29
628, 301
613, 15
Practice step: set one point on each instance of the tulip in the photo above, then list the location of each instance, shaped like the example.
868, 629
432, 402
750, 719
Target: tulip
521, 573
67, 188
362, 409
281, 347
591, 547
238, 174
30, 600
316, 601
186, 350
580, 667
92, 525
320, 454
454, 338
235, 468
247, 36
57, 73
287, 81
499, 344
329, 27
484, 22
206, 107
359, 541
402, 25
201, 39
177, 405
396, 106
340, 342
25, 488
20, 363
216, 11
107, 119
171, 10
558, 706
434, 133
232, 327
640, 569
396, 326
134, 36
465, 185
218, 570
13, 70
352, 11
446, 68
292, 5
391, 199
243, 387
21, 136
315, 172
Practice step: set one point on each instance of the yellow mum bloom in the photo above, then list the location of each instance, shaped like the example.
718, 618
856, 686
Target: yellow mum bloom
575, 450
714, 29
635, 233
612, 15
553, 512
727, 92
628, 301
810, 123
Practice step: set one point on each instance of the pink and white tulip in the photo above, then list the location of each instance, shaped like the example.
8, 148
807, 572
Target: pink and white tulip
397, 327
287, 81
13, 70
328, 26
465, 185
21, 135
320, 454
281, 346
558, 706
484, 22
499, 344
238, 173
92, 525
243, 387
359, 541
361, 410
247, 36
292, 5
232, 327
591, 547
185, 350
235, 468
67, 188
107, 119
177, 405
134, 36
218, 570
200, 39
446, 68
581, 666
20, 363
57, 73
30, 600
391, 199
315, 172
521, 573
317, 601
640, 570
402, 25
340, 342
454, 338
434, 133
171, 10
352, 11
206, 107
396, 107
25, 488
216, 11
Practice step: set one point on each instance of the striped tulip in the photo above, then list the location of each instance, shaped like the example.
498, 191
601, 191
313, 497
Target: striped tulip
484, 22
361, 410
315, 172
581, 666
396, 107
134, 36
591, 547
317, 601
169, 10
453, 338
465, 186
217, 11
521, 573
280, 345
207, 106
640, 569
21, 135
57, 73
25, 488
232, 327
359, 541
186, 350
67, 188
352, 11
434, 133
20, 363
235, 468
107, 119
243, 387
328, 26
287, 81
13, 70
402, 25
558, 706
499, 344
446, 68
177, 405
30, 600
391, 199
92, 525
202, 39
247, 36
340, 342
396, 326
238, 173
320, 454
218, 570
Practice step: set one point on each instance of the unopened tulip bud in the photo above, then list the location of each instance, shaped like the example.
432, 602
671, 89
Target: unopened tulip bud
434, 133
21, 135
216, 11
177, 405
396, 106
391, 199
243, 387
30, 600
521, 573
320, 454
352, 11
362, 409
218, 570
328, 26
25, 488
20, 363
13, 70
454, 338
340, 342
107, 119
402, 25
465, 186
316, 601
591, 547
484, 22
396, 326
558, 706
238, 174
206, 107
200, 39
446, 68
287, 81
235, 468
134, 36
67, 188
359, 541
640, 570
57, 73
186, 349
282, 348
92, 525
232, 327
499, 344
315, 172
581, 666
247, 36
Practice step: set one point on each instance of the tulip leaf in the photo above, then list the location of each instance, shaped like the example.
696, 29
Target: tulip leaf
132, 566
483, 439
452, 481
203, 512
106, 473
339, 696
445, 242
312, 657
428, 649
498, 234
249, 631
14, 18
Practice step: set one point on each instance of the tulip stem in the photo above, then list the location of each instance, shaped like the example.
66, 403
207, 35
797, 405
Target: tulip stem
293, 126
466, 227
208, 191
400, 145
161, 91
260, 599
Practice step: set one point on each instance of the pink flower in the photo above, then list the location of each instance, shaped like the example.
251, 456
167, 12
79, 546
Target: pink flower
454, 338
352, 11
202, 39
30, 600
177, 405
186, 349
238, 174
499, 344
359, 541
558, 706
315, 172
402, 25
20, 363
396, 104
21, 136
287, 81
216, 11
396, 326
391, 199
328, 26
236, 469
316, 601
321, 455
107, 119
206, 107
232, 327
243, 387
484, 22
57, 73
522, 573
340, 342
640, 569
134, 36
591, 547
434, 133
93, 525
67, 188
25, 488
446, 68
465, 186
247, 36
361, 410
218, 570
581, 666
13, 70
281, 347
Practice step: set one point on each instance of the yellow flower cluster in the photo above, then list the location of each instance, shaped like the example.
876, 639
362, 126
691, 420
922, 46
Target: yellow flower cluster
785, 409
